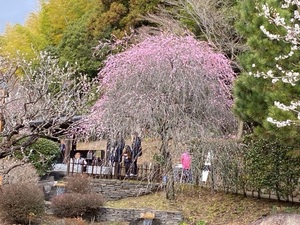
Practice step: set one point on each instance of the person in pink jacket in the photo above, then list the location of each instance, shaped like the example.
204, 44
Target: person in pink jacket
186, 166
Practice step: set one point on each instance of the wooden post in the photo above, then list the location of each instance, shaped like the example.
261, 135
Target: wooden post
1, 123
67, 151
67, 155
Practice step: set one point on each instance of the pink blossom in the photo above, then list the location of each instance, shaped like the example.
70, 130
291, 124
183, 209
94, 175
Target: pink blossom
164, 79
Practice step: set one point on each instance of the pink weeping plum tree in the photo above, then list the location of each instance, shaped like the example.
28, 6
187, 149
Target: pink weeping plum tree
175, 88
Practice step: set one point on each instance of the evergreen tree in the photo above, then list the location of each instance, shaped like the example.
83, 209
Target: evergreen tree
77, 47
254, 97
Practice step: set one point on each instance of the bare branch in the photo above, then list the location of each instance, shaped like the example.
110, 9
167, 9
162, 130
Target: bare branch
214, 19
41, 102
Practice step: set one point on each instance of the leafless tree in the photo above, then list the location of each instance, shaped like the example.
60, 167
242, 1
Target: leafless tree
214, 19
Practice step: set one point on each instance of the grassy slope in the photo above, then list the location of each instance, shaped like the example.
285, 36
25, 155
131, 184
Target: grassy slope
198, 204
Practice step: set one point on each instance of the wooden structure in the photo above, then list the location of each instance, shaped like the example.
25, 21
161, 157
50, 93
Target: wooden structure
149, 172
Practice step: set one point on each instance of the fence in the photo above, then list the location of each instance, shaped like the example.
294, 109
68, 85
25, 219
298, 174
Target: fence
261, 170
147, 171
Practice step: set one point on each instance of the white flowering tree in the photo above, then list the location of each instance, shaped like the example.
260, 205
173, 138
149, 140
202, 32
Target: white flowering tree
38, 99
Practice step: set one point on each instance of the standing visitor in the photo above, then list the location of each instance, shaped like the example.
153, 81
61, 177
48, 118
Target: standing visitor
118, 151
109, 152
186, 166
89, 157
78, 164
62, 151
136, 148
127, 160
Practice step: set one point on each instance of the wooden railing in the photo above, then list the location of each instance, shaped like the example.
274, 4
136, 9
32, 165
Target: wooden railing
146, 171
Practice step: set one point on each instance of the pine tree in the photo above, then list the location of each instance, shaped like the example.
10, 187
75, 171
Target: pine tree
254, 97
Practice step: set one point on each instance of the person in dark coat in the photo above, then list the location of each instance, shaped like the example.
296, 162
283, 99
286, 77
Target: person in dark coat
127, 159
109, 152
62, 151
89, 157
136, 148
118, 151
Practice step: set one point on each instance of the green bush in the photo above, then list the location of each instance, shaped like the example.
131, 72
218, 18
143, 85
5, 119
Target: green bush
42, 154
76, 204
270, 167
21, 203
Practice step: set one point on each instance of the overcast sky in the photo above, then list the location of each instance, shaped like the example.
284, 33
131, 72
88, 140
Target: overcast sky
15, 11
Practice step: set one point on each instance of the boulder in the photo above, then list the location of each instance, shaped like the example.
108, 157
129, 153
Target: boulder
279, 219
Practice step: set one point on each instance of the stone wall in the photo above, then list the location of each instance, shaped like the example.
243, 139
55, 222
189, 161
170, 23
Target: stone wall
111, 189
118, 189
134, 216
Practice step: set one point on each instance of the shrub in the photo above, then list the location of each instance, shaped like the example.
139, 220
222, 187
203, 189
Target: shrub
19, 202
42, 154
79, 183
78, 201
269, 166
76, 204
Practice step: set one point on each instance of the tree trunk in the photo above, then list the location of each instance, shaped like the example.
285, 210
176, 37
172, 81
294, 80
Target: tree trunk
170, 189
164, 145
168, 167
67, 151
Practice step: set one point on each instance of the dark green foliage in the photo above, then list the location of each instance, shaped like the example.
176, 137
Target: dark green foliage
262, 165
41, 154
137, 9
254, 97
21, 203
269, 167
99, 23
76, 48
